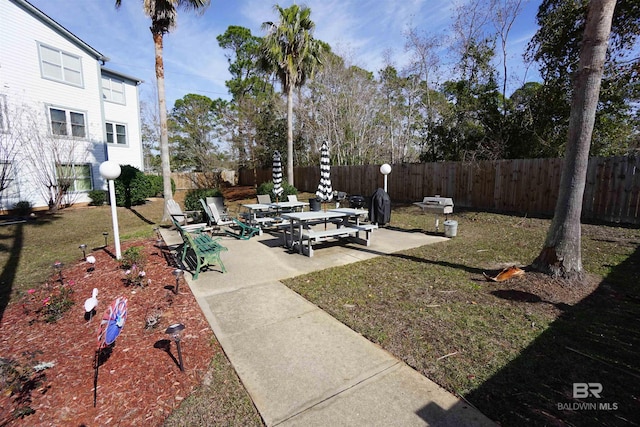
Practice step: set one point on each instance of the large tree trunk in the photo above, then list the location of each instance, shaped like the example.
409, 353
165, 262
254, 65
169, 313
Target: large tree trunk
290, 135
164, 135
562, 255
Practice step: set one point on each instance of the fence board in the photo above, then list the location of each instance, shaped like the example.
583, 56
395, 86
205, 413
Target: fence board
528, 186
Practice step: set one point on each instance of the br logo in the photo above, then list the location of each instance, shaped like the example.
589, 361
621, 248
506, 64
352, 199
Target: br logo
583, 390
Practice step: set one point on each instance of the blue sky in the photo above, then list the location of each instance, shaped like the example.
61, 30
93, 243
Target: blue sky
360, 30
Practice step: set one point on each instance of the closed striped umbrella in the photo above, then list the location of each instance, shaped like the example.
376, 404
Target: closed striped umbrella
325, 192
277, 175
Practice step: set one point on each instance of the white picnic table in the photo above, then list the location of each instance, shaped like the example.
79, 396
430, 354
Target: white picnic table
278, 206
302, 221
254, 209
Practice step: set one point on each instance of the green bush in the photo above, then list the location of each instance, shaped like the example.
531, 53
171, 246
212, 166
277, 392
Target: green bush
22, 208
156, 186
192, 198
267, 188
133, 256
98, 197
132, 187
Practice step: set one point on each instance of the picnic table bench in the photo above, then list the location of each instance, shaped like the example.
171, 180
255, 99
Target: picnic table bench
353, 231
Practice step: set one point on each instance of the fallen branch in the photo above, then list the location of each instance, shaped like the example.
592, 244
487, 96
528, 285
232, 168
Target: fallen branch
447, 355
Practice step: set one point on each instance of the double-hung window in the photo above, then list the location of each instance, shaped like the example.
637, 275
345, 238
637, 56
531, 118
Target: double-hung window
76, 177
61, 66
116, 133
113, 90
67, 123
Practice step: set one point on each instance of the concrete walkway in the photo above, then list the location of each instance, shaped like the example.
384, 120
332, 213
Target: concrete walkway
301, 366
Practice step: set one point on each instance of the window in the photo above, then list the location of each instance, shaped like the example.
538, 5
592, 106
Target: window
77, 177
60, 66
116, 133
65, 122
113, 90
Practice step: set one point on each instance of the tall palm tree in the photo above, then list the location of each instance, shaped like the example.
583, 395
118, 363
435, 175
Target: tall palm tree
163, 14
290, 51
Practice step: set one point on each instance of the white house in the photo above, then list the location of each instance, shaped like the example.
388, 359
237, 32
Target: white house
62, 113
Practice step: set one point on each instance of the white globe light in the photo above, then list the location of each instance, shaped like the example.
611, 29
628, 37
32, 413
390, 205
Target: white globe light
110, 170
385, 169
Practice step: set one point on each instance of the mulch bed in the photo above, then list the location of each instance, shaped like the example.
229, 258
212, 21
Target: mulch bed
139, 381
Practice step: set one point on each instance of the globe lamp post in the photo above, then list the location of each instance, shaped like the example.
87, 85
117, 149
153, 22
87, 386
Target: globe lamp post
385, 170
110, 171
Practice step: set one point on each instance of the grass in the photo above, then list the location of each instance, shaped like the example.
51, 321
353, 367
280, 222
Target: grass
512, 349
29, 249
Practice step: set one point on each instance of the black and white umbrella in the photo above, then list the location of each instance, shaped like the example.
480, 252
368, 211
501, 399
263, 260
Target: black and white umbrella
325, 192
277, 175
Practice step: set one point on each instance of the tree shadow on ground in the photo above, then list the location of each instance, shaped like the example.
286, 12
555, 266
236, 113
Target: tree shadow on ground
10, 269
594, 341
139, 215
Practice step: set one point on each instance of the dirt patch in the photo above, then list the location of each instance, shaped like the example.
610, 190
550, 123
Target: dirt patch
139, 382
238, 193
556, 295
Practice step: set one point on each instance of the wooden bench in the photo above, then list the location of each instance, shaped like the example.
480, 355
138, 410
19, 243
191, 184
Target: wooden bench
206, 250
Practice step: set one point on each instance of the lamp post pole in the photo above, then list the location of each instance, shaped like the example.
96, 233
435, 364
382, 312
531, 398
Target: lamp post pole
385, 170
111, 171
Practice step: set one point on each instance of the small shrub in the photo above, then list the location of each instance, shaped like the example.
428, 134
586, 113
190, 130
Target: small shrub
156, 186
133, 256
267, 188
135, 276
98, 197
54, 306
20, 380
132, 187
22, 208
192, 198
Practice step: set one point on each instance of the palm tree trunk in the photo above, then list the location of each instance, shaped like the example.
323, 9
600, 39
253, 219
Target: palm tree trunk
290, 135
164, 135
562, 255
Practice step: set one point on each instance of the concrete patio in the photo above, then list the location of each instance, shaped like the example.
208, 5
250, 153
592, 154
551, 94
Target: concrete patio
300, 365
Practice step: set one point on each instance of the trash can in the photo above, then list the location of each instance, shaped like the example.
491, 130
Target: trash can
450, 228
315, 205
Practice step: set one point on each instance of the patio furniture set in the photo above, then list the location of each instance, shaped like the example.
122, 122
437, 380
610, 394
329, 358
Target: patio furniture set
299, 229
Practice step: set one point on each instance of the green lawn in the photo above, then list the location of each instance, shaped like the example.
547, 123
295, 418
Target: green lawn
513, 349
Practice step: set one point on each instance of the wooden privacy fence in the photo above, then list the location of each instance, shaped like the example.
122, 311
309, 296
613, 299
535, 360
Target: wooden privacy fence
612, 191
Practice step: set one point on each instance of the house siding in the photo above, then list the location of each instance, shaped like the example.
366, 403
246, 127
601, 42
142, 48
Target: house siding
127, 114
25, 89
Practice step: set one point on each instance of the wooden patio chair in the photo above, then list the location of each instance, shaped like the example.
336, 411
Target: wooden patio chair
183, 218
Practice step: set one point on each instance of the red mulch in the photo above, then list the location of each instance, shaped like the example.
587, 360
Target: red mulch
140, 382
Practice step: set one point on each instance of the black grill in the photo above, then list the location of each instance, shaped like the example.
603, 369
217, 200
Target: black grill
357, 201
